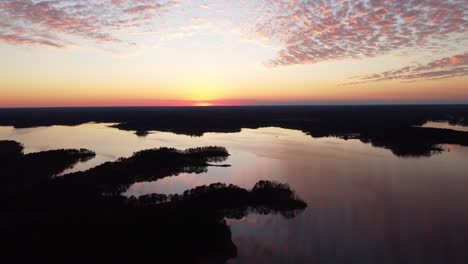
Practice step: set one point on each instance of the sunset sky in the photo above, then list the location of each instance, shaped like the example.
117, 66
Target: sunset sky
232, 52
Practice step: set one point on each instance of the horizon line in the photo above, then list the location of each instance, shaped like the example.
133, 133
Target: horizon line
238, 106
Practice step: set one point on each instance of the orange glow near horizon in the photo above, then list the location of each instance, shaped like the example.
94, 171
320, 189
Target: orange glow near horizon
358, 98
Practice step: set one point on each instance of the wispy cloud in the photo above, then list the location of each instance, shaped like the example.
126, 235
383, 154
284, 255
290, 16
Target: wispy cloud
14, 39
448, 67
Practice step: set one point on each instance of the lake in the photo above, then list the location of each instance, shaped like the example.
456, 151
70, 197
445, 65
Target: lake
365, 204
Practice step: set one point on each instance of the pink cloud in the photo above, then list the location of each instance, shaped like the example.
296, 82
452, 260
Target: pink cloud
454, 66
312, 31
92, 20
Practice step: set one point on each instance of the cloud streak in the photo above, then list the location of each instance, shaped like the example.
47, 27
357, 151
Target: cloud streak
12, 39
448, 67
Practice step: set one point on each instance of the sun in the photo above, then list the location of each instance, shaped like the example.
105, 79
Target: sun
202, 104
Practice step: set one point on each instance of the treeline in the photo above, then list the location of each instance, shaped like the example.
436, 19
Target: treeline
395, 127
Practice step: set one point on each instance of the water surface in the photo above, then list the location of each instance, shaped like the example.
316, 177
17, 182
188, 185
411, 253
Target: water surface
365, 205
445, 125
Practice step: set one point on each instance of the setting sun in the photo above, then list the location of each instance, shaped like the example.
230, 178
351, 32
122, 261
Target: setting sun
203, 104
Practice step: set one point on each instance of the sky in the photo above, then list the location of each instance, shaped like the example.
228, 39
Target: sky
232, 52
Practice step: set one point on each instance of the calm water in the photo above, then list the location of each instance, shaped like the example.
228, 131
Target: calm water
445, 125
365, 205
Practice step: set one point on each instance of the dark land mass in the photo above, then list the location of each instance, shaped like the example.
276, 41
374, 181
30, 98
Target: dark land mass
114, 178
392, 127
21, 172
82, 217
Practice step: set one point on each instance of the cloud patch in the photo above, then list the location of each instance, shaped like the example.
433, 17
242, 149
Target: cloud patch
49, 23
312, 31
